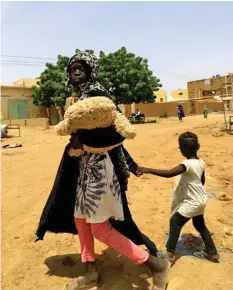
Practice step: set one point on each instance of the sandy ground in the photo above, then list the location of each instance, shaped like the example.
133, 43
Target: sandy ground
28, 175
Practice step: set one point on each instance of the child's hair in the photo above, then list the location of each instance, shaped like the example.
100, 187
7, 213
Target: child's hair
188, 141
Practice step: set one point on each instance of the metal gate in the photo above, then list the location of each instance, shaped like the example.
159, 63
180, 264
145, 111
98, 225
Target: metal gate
17, 109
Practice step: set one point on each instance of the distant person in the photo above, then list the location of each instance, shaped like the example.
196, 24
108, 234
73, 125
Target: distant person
189, 199
137, 113
180, 113
205, 112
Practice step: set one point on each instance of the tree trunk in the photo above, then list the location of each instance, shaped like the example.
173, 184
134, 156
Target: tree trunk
63, 111
60, 113
48, 114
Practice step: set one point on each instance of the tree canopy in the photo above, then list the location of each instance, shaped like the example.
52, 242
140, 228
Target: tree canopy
51, 89
126, 76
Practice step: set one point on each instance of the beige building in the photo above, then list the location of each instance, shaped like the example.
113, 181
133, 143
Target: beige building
217, 87
17, 103
179, 95
29, 83
211, 87
161, 96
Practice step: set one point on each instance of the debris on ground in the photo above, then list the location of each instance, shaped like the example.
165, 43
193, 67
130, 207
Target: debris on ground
211, 194
219, 134
4, 131
228, 231
11, 146
225, 197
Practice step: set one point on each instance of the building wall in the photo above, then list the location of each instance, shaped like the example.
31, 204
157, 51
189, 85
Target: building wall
160, 109
161, 96
157, 110
212, 105
180, 95
228, 105
20, 93
36, 122
128, 110
208, 87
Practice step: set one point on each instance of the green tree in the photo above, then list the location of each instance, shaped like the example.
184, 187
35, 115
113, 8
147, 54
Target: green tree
128, 77
51, 88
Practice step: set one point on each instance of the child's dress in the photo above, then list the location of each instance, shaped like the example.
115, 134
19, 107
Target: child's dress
189, 197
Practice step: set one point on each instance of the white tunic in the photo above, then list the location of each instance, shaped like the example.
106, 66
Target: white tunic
189, 197
98, 195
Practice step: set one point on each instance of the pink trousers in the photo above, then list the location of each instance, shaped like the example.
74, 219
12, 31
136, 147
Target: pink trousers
105, 233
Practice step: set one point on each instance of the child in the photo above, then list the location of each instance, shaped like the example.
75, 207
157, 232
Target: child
189, 199
89, 194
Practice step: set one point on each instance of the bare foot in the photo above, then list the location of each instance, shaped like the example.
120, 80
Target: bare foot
92, 278
160, 269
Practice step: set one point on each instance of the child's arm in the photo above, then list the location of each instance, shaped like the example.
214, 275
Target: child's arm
203, 178
164, 173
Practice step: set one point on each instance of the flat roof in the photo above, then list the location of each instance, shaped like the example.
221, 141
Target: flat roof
209, 78
16, 87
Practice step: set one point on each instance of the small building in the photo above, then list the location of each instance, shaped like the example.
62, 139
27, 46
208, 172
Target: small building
161, 96
26, 82
179, 95
17, 103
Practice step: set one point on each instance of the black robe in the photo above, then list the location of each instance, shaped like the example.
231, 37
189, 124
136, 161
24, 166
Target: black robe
58, 213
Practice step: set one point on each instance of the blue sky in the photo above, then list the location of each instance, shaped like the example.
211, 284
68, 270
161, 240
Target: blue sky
182, 40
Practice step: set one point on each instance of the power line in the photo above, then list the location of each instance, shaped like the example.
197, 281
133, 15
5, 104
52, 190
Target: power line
174, 76
21, 61
22, 64
37, 63
29, 57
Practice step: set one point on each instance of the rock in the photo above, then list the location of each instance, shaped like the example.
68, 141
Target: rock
223, 245
215, 130
225, 197
228, 231
192, 262
225, 222
209, 163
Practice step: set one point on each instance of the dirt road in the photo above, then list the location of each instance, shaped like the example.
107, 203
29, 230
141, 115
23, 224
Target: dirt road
28, 175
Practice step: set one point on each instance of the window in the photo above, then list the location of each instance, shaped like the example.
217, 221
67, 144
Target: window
180, 94
208, 93
207, 82
161, 100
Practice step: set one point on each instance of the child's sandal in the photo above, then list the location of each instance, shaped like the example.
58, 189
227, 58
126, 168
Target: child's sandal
204, 255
